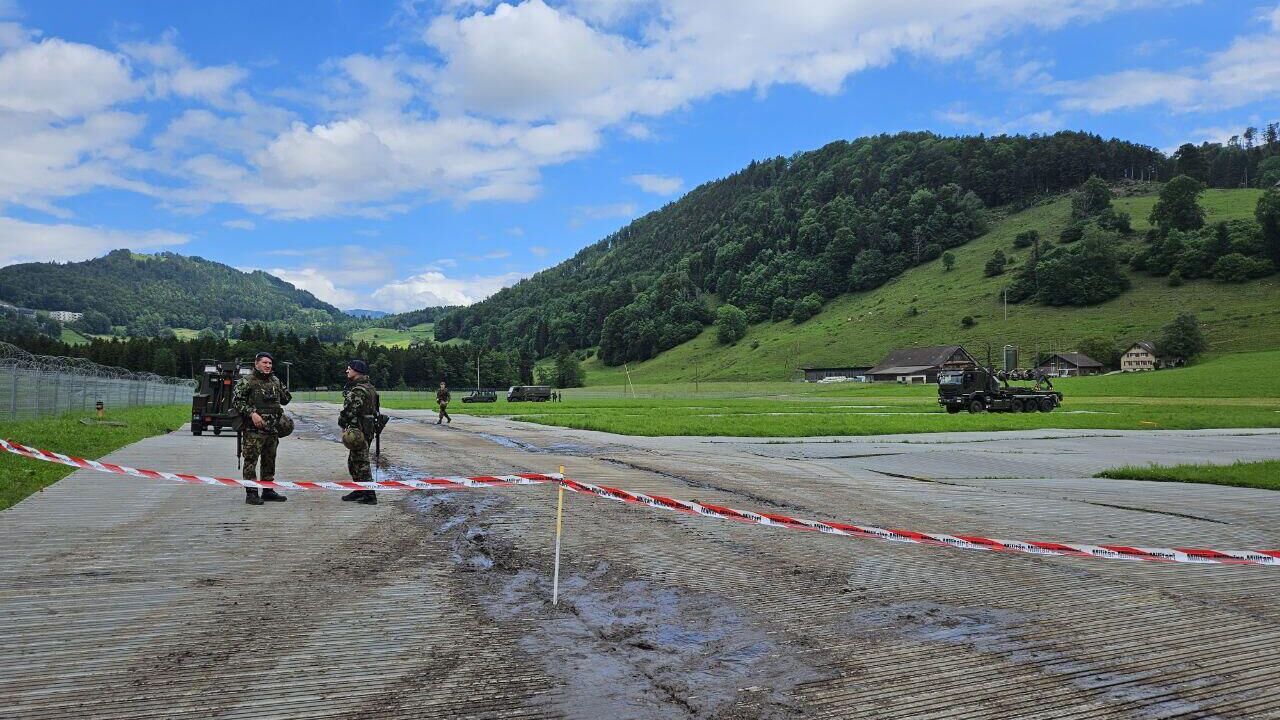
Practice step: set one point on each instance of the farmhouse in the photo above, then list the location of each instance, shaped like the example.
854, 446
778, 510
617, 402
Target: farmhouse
1070, 364
1140, 356
814, 374
920, 365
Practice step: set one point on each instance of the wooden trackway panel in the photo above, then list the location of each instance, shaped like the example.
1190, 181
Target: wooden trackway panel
127, 598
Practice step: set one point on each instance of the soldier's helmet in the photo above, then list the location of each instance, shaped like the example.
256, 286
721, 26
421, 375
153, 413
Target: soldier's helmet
353, 438
284, 426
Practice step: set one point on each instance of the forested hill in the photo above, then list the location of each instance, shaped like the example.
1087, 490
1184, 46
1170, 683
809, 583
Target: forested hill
164, 289
787, 231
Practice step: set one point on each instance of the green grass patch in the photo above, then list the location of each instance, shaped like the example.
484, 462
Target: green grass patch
1264, 475
19, 477
861, 328
71, 337
186, 333
800, 410
391, 337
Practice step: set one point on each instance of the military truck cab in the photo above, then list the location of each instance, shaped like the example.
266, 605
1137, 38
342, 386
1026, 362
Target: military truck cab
978, 390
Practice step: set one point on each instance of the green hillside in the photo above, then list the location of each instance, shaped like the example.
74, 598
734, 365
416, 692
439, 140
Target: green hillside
391, 337
148, 292
860, 328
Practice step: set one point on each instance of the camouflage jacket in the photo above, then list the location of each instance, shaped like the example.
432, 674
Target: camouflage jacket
359, 401
263, 394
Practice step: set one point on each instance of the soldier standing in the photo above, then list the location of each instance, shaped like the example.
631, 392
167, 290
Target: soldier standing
358, 419
442, 397
260, 398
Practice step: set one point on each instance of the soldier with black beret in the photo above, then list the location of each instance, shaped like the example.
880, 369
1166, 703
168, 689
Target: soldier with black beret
358, 421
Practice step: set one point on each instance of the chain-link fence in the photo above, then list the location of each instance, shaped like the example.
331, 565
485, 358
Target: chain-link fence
36, 385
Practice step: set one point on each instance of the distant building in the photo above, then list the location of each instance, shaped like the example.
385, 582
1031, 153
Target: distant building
814, 374
1070, 364
65, 316
24, 312
921, 365
1140, 356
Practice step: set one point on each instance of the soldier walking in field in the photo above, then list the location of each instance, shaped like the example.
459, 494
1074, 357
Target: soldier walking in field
259, 398
358, 420
442, 397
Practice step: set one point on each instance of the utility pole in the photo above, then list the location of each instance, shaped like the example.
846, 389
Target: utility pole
695, 374
1006, 304
478, 369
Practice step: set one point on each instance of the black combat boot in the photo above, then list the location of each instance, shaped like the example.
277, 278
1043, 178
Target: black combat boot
270, 495
353, 495
369, 497
251, 496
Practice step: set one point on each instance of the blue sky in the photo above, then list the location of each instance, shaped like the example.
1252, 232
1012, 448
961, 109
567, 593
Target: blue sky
398, 154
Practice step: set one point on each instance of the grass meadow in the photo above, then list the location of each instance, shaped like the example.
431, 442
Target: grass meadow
19, 477
1231, 391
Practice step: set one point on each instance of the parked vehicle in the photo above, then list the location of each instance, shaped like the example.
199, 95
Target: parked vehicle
530, 393
481, 396
211, 403
978, 390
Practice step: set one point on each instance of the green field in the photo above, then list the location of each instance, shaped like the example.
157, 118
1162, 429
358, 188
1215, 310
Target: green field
861, 328
391, 337
186, 333
71, 337
19, 477
1264, 475
1237, 390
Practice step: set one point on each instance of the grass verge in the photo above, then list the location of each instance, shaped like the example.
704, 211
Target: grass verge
19, 477
1264, 474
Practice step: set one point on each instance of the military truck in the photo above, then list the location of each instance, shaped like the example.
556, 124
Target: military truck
530, 393
211, 403
978, 390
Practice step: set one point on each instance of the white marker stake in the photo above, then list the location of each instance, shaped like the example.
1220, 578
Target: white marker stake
555, 577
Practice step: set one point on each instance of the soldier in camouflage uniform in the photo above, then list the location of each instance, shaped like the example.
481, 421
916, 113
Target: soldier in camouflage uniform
260, 398
359, 407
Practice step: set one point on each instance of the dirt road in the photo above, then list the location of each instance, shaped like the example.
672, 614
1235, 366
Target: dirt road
125, 598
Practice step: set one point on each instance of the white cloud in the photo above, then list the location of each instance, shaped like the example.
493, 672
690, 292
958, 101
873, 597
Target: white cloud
434, 289
502, 90
169, 71
239, 224
1044, 121
585, 213
1247, 71
657, 184
317, 283
539, 250
22, 241
1126, 89
63, 79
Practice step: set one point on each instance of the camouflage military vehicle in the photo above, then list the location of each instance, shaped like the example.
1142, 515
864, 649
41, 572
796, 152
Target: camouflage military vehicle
211, 403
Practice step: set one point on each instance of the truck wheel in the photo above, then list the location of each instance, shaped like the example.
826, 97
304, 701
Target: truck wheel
217, 430
1029, 406
196, 429
1015, 405
1046, 405
976, 406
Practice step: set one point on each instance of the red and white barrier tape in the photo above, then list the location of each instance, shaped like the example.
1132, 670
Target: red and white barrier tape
963, 542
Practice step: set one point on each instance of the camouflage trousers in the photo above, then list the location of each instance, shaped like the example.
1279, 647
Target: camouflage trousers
255, 447
358, 463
